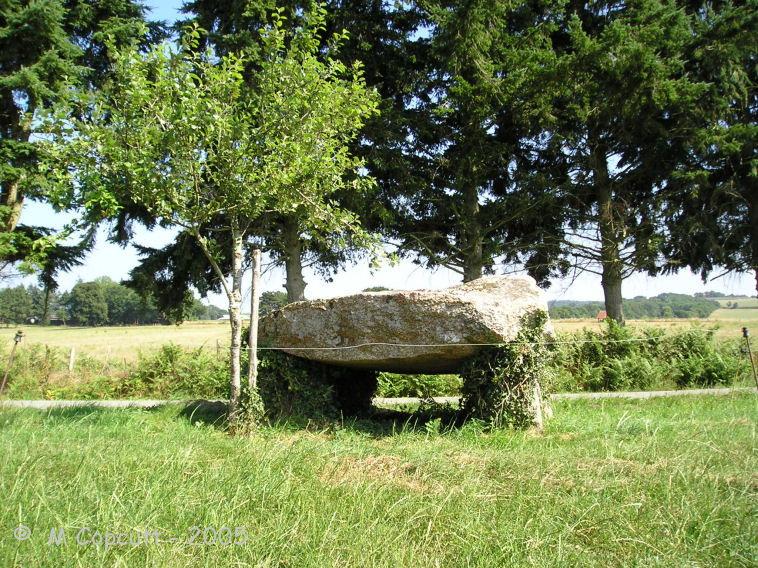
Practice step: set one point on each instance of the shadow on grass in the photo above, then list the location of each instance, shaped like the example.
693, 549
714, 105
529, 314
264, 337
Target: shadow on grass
206, 411
211, 412
81, 412
383, 422
378, 422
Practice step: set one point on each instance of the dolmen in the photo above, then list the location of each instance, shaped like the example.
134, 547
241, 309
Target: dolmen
419, 331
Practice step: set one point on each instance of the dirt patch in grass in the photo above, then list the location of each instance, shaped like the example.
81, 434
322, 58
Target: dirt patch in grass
745, 484
291, 438
382, 470
467, 461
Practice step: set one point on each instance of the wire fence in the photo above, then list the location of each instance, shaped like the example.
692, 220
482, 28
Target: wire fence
442, 345
104, 350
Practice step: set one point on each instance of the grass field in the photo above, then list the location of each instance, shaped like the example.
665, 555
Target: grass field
666, 482
728, 321
741, 302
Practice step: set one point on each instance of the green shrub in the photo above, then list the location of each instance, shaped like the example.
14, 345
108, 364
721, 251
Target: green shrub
618, 359
630, 374
174, 371
708, 371
557, 378
294, 387
688, 344
589, 377
393, 385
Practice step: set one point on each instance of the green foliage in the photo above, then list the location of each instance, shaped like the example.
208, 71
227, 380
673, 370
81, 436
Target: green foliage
622, 100
696, 361
713, 221
46, 48
193, 111
271, 301
619, 358
88, 305
288, 237
181, 136
294, 387
456, 139
609, 360
15, 305
174, 371
302, 389
713, 370
84, 305
499, 383
206, 312
41, 371
629, 373
392, 385
664, 306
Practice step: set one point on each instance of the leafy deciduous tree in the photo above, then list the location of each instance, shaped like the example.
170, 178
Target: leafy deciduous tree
191, 144
87, 305
16, 305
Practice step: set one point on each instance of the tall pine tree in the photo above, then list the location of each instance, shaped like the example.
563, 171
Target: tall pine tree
462, 133
46, 47
622, 102
713, 206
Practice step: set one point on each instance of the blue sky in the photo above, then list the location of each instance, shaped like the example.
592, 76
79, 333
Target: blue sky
167, 11
115, 262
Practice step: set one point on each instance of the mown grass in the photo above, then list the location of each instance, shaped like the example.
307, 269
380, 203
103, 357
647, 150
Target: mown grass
666, 482
739, 316
741, 302
120, 342
728, 323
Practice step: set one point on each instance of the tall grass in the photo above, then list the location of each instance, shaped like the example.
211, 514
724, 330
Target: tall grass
173, 371
609, 483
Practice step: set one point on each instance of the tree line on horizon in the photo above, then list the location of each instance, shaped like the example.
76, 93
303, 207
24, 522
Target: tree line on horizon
663, 306
551, 137
101, 302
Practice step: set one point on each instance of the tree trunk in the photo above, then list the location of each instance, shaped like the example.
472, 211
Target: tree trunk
10, 195
611, 282
753, 221
293, 249
46, 307
12, 198
473, 264
234, 297
235, 319
610, 258
252, 375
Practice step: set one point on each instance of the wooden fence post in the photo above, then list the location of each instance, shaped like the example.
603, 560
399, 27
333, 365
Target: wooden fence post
746, 335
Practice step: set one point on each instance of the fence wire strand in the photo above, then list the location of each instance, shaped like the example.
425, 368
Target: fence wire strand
438, 345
